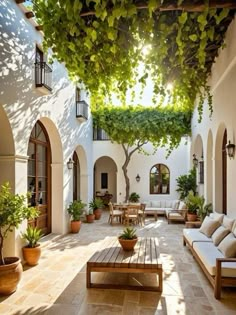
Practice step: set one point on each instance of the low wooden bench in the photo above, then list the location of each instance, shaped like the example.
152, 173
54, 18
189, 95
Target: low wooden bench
112, 258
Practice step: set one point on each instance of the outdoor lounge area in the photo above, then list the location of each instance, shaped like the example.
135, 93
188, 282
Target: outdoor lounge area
57, 285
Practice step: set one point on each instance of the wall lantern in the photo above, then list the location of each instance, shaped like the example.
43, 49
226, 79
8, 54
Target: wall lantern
195, 160
70, 164
230, 148
138, 178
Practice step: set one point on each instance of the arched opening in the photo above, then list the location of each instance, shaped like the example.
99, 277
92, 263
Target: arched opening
105, 181
39, 176
199, 154
209, 169
224, 173
76, 177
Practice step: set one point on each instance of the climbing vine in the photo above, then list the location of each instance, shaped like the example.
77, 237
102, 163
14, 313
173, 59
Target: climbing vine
103, 43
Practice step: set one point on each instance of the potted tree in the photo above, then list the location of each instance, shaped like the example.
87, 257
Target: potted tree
134, 197
13, 210
193, 203
76, 209
96, 205
128, 239
32, 251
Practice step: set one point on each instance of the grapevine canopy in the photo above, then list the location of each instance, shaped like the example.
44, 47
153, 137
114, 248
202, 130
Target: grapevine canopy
102, 44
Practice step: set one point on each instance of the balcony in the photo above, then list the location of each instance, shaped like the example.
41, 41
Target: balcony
43, 77
100, 134
81, 110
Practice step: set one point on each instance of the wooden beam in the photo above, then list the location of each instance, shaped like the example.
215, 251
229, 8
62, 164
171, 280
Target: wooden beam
29, 14
39, 27
187, 6
19, 1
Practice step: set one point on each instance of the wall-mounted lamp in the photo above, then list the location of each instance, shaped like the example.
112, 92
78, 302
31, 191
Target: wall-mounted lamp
195, 160
70, 164
230, 148
138, 178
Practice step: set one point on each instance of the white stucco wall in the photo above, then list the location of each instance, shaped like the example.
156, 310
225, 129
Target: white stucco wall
23, 105
223, 88
177, 162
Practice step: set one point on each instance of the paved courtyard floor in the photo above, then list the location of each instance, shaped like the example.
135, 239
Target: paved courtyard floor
57, 285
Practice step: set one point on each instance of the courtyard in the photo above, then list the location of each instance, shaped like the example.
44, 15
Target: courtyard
57, 285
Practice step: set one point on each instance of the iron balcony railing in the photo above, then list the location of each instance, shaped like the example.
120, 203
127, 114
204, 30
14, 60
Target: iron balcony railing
43, 75
82, 110
100, 134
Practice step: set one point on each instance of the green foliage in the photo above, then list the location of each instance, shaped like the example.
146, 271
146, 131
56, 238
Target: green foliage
13, 210
186, 183
32, 235
101, 43
130, 124
134, 197
96, 203
128, 233
204, 211
194, 202
76, 209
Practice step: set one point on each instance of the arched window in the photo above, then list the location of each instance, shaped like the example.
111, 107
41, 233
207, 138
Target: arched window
159, 179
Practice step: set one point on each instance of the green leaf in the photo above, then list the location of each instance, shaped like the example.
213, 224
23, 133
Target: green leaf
183, 18
193, 37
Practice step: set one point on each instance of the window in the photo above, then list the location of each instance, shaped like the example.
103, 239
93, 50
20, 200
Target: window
104, 180
43, 73
159, 179
81, 107
201, 172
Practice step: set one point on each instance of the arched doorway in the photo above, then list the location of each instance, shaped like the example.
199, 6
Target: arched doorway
105, 171
224, 173
39, 176
76, 177
209, 169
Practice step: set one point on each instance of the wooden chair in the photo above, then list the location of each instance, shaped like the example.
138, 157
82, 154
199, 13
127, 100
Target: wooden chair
131, 214
141, 214
114, 214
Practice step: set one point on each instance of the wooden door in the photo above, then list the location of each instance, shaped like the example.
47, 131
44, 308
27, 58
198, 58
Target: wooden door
39, 180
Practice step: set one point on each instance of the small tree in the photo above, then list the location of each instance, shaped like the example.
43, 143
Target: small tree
186, 183
13, 210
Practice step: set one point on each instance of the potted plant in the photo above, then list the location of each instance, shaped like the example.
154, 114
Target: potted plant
186, 183
76, 209
96, 205
13, 210
204, 211
134, 197
32, 251
193, 203
128, 239
90, 216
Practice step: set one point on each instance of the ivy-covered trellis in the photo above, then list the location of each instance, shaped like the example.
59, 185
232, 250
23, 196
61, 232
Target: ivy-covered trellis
102, 43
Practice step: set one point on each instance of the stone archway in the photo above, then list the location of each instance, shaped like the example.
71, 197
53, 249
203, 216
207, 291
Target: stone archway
82, 175
218, 180
105, 172
209, 169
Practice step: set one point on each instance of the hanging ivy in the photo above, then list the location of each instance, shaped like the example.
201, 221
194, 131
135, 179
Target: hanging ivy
102, 44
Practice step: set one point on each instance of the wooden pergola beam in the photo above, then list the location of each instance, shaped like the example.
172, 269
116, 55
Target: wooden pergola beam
187, 6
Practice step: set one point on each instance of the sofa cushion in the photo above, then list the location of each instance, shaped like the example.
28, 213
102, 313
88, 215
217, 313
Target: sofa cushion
228, 246
209, 226
219, 234
175, 204
169, 203
217, 216
208, 253
182, 206
228, 222
234, 228
148, 203
193, 235
155, 204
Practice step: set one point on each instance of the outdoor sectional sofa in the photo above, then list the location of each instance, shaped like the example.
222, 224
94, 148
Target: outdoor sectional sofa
213, 246
172, 209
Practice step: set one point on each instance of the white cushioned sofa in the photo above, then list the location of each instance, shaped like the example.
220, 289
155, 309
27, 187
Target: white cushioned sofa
156, 207
214, 247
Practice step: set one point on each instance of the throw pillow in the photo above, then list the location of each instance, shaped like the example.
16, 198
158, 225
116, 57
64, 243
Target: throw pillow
217, 216
182, 206
228, 222
209, 226
234, 228
156, 204
219, 234
228, 246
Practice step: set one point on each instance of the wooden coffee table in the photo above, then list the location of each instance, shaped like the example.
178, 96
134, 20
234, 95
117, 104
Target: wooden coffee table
112, 258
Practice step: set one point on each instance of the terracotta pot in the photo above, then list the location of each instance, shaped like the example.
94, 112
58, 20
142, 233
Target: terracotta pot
75, 226
31, 255
10, 275
97, 213
127, 245
90, 218
191, 217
